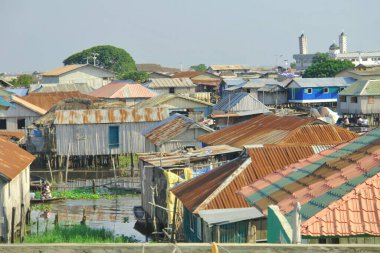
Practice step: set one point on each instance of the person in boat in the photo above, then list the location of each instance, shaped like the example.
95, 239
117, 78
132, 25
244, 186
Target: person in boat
46, 193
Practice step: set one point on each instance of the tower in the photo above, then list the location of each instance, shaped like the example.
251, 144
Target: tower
343, 43
303, 44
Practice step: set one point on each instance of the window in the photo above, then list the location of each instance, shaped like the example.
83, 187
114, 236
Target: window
171, 90
20, 123
113, 136
341, 88
371, 99
309, 91
199, 228
191, 221
3, 124
342, 98
354, 99
325, 90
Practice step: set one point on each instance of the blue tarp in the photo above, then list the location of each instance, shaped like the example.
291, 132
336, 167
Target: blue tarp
18, 91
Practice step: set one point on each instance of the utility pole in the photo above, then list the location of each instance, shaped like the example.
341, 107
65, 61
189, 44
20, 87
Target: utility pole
94, 56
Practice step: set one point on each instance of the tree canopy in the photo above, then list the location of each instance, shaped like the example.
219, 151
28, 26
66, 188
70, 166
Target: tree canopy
108, 57
22, 81
200, 67
324, 66
137, 76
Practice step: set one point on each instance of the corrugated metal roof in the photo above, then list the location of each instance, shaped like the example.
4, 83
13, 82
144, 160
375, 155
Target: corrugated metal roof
188, 74
81, 87
194, 192
319, 135
151, 67
356, 213
13, 159
229, 67
333, 166
240, 102
230, 215
122, 89
234, 81
18, 91
9, 135
322, 82
160, 100
263, 129
4, 103
167, 160
62, 70
47, 100
262, 161
363, 87
170, 82
170, 128
74, 117
271, 129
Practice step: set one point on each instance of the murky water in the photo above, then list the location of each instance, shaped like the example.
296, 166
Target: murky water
115, 215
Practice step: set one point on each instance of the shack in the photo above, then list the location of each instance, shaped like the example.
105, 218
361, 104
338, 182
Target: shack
177, 132
161, 171
14, 190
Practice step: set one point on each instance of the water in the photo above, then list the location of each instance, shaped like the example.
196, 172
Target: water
108, 213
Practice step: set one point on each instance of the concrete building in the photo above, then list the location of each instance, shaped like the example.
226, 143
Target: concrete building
340, 52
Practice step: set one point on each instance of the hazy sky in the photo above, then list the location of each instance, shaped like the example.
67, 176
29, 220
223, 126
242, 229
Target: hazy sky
40, 34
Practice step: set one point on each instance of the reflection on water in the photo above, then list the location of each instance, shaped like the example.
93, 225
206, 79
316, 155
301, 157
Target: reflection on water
108, 213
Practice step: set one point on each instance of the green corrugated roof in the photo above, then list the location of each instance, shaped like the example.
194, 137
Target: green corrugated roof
309, 169
317, 204
363, 87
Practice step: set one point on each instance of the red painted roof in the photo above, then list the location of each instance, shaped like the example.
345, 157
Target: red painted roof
356, 213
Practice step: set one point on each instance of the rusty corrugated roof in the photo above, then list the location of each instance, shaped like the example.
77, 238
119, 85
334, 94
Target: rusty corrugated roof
263, 129
271, 129
98, 116
319, 135
170, 128
222, 193
188, 74
356, 213
194, 192
10, 134
45, 101
13, 159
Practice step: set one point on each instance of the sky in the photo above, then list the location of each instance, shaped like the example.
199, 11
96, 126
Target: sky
38, 35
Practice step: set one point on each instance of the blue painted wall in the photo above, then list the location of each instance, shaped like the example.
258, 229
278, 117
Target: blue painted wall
317, 93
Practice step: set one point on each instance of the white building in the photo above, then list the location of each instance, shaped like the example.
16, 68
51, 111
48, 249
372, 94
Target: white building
304, 60
94, 76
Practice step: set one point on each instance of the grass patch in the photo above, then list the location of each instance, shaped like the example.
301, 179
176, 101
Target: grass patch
86, 193
78, 234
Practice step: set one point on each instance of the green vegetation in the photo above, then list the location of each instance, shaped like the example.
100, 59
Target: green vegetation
324, 66
42, 207
22, 81
78, 234
137, 76
125, 161
108, 57
86, 193
293, 65
200, 67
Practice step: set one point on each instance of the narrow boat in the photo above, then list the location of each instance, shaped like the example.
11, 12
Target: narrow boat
37, 201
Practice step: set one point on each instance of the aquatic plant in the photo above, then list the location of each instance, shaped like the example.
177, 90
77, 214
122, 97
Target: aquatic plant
78, 234
86, 193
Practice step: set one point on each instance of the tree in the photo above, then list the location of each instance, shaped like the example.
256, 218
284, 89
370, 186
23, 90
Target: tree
200, 67
324, 66
137, 76
293, 65
108, 57
22, 81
